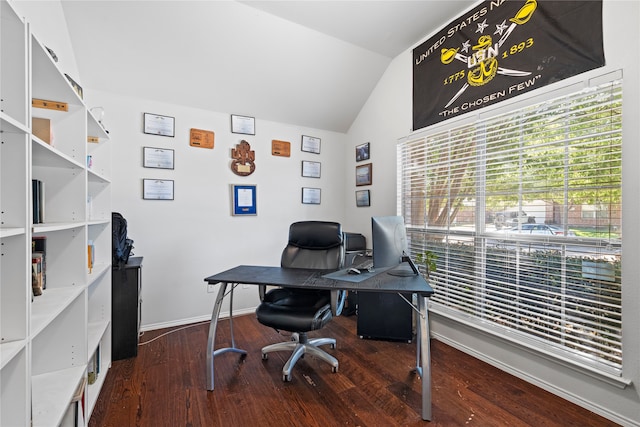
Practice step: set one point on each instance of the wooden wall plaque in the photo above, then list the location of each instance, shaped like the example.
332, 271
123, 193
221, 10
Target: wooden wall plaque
201, 138
51, 105
280, 148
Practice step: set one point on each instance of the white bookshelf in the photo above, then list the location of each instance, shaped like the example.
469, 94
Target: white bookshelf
47, 341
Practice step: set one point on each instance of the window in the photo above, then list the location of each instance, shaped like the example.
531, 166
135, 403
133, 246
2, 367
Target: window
523, 212
595, 211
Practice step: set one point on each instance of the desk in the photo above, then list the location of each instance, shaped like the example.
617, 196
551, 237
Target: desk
378, 281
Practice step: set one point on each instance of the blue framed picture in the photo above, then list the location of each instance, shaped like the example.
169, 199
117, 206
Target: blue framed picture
244, 200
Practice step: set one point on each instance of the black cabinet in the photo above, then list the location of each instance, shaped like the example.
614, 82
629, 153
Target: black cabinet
384, 316
126, 284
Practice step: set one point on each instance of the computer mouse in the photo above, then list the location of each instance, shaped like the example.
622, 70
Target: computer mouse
353, 271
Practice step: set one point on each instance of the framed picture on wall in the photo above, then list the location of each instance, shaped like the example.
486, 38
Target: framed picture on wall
310, 169
363, 174
155, 124
363, 198
160, 158
362, 152
243, 124
244, 200
311, 196
310, 144
157, 189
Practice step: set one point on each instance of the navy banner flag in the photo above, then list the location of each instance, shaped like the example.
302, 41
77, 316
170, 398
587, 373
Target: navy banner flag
501, 49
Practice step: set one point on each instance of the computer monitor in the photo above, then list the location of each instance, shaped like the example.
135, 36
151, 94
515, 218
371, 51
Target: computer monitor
390, 247
389, 240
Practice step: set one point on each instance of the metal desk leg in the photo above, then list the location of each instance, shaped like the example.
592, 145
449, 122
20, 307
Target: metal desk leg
424, 357
211, 353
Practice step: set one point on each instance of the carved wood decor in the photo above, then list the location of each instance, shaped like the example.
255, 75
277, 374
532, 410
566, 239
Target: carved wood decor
244, 157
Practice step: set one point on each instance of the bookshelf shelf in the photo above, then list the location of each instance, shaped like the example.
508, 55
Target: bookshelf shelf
97, 177
95, 333
94, 391
47, 156
51, 391
99, 269
9, 350
48, 342
95, 128
8, 232
49, 305
56, 226
48, 82
9, 124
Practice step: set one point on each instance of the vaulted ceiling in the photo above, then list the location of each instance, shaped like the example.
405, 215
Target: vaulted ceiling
307, 63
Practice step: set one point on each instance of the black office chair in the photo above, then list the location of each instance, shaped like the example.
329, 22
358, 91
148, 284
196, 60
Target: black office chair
316, 245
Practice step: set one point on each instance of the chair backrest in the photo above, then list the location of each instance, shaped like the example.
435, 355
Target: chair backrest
314, 244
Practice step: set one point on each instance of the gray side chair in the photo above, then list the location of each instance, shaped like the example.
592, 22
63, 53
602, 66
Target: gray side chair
315, 245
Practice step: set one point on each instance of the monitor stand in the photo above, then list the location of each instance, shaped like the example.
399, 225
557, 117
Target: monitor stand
402, 270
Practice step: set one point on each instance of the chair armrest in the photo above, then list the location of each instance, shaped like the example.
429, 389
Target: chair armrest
338, 298
262, 290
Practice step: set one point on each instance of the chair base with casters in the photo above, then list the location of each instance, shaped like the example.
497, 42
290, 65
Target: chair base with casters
299, 346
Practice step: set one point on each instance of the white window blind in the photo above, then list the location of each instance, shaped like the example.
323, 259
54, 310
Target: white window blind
523, 212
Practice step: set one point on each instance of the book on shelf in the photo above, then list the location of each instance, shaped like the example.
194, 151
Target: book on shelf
74, 416
35, 200
36, 274
91, 255
98, 355
37, 193
93, 366
41, 128
70, 418
39, 246
76, 87
79, 393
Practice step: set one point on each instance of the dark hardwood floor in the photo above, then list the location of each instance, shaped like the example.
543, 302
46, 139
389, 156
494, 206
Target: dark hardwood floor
165, 385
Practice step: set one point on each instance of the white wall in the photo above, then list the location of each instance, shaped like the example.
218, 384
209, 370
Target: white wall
387, 117
383, 120
187, 239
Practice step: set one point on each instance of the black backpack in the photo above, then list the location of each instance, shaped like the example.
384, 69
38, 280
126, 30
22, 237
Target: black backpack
121, 244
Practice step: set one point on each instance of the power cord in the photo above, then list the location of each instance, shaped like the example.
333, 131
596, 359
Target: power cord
290, 336
170, 332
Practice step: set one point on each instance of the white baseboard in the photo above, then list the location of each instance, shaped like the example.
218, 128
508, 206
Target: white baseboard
188, 321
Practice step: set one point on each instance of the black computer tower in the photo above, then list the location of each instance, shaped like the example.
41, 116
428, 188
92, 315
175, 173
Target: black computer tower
384, 316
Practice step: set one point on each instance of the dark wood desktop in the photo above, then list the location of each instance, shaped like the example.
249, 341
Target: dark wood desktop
378, 281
